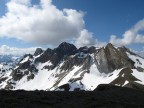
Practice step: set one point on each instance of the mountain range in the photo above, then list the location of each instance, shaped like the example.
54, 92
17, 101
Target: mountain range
67, 68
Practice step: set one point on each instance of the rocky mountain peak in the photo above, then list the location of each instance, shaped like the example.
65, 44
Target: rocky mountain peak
110, 46
46, 55
66, 48
116, 58
38, 51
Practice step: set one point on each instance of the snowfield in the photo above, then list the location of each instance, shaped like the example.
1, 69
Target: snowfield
81, 69
45, 80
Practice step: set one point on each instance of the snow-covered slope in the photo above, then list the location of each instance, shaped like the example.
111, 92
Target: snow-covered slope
69, 68
7, 63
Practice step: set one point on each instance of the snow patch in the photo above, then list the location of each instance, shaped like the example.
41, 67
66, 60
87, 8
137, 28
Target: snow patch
94, 78
41, 81
24, 60
126, 82
139, 62
139, 75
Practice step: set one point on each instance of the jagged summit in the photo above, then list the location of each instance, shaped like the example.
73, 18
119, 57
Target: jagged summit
38, 51
66, 48
65, 44
77, 69
110, 45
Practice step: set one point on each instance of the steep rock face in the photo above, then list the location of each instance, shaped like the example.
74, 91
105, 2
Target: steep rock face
101, 61
70, 62
116, 59
66, 49
46, 55
109, 58
38, 51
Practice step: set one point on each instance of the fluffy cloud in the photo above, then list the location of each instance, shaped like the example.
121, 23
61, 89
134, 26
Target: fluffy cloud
44, 24
86, 38
41, 24
130, 36
6, 50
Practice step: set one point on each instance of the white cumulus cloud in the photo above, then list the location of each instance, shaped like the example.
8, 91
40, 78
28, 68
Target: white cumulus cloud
41, 24
86, 38
131, 36
7, 50
45, 24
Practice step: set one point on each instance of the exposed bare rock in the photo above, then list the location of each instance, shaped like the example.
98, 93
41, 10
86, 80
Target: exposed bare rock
38, 51
124, 75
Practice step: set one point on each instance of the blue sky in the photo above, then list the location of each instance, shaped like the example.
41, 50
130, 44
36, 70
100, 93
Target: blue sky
107, 17
102, 17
